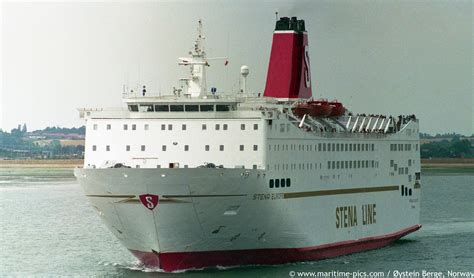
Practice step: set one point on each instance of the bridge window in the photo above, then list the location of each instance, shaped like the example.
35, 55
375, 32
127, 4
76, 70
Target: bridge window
107, 148
186, 148
204, 126
183, 127
146, 108
95, 127
282, 182
109, 126
170, 127
225, 126
255, 147
146, 127
142, 148
222, 108
221, 148
206, 108
271, 183
207, 148
94, 148
162, 108
242, 127
133, 108
127, 148
134, 127
255, 126
288, 182
241, 147
218, 126
125, 127
176, 108
277, 183
163, 148
191, 108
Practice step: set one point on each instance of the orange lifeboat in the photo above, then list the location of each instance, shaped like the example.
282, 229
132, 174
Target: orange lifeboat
320, 108
337, 109
301, 109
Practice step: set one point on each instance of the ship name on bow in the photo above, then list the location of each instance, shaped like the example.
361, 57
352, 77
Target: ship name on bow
346, 216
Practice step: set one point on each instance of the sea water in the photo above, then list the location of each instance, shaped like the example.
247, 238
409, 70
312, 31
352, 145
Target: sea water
48, 228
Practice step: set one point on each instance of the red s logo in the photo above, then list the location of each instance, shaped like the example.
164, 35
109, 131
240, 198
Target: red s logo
150, 201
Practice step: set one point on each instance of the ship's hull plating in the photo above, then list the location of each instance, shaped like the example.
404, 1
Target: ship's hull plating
225, 217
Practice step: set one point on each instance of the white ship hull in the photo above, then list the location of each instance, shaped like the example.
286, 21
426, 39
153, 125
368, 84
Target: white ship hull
209, 217
195, 180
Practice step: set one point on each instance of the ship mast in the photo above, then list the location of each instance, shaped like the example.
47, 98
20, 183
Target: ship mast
195, 84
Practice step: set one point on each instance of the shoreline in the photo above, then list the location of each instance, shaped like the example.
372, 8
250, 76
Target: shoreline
73, 163
42, 163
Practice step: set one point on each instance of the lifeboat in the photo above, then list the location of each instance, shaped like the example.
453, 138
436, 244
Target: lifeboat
320, 108
337, 109
302, 108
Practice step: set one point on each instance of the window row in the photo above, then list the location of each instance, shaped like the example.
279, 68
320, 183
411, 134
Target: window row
170, 127
225, 127
323, 147
403, 171
181, 108
295, 166
279, 183
406, 191
402, 147
186, 148
353, 164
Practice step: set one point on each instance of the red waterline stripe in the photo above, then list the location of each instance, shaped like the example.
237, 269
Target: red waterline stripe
201, 259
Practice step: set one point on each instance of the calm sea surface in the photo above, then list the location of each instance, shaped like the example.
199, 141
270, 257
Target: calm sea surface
48, 228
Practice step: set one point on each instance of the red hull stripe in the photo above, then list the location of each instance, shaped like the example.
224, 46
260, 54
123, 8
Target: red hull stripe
189, 260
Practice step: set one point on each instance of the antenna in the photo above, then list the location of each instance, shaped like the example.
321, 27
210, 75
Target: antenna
276, 16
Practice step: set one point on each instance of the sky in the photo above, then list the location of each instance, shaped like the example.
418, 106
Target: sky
383, 57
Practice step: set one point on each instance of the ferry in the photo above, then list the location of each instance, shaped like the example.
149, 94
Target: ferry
199, 178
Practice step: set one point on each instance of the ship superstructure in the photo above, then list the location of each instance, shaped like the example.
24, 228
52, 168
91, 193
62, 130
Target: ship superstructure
197, 179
